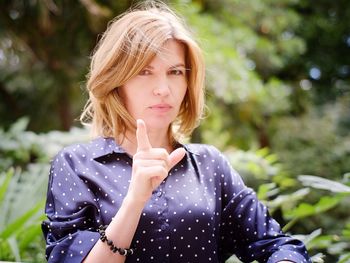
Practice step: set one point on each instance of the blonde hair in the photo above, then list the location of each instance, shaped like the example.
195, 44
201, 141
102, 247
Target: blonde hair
126, 47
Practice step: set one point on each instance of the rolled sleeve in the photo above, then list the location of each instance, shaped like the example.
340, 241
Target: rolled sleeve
247, 228
73, 248
289, 255
71, 209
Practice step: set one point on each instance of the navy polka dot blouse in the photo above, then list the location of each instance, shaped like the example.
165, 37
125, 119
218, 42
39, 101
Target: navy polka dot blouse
202, 212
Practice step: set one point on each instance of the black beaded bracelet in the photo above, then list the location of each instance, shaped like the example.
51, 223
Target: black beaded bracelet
122, 251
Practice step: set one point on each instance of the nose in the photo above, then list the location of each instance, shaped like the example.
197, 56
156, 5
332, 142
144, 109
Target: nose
162, 87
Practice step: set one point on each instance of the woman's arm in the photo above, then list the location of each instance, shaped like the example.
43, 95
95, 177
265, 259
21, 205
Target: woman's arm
247, 229
150, 168
121, 231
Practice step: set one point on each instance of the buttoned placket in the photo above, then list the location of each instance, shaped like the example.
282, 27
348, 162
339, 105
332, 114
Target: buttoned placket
160, 204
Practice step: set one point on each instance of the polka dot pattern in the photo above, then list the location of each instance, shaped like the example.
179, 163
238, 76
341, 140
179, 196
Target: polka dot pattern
202, 212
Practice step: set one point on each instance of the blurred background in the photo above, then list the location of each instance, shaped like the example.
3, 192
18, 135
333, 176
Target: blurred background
278, 97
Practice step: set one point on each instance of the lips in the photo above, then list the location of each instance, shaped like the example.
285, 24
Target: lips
162, 107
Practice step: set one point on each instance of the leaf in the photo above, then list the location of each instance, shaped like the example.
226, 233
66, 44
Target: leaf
326, 203
318, 258
312, 236
14, 227
346, 230
305, 210
289, 199
254, 168
321, 242
14, 247
272, 158
325, 184
344, 258
5, 183
19, 126
264, 189
29, 234
263, 152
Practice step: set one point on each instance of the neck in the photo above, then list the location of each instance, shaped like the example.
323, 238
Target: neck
158, 139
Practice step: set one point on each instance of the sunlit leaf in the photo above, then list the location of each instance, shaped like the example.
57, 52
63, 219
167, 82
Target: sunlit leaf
305, 209
15, 226
345, 258
323, 183
19, 126
309, 238
5, 180
264, 189
14, 247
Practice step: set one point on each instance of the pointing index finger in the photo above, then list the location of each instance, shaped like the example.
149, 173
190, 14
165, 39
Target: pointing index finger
143, 143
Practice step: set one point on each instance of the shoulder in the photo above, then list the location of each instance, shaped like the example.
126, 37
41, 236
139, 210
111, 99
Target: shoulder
211, 156
87, 150
204, 150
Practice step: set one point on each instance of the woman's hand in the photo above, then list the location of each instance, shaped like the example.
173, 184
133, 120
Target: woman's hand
150, 166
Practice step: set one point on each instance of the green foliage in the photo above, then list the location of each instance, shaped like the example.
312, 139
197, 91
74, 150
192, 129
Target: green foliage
275, 119
326, 31
314, 143
294, 206
24, 157
240, 89
325, 184
20, 232
25, 186
44, 49
21, 215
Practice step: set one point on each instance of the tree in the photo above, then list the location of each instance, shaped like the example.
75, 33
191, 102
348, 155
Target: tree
45, 47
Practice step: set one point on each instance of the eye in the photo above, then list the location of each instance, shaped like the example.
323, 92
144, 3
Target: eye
177, 72
145, 72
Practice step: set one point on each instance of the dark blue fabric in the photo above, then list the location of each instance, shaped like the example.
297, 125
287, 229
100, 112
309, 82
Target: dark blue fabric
202, 212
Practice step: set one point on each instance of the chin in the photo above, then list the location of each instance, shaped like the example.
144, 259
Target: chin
158, 123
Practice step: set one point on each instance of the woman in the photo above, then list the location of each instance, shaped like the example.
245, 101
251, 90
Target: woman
157, 200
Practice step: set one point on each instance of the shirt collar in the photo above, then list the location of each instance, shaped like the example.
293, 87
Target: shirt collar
103, 146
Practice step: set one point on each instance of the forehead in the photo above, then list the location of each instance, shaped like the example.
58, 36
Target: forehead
172, 52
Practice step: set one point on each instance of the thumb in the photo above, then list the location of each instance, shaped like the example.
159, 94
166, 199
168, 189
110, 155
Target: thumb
176, 156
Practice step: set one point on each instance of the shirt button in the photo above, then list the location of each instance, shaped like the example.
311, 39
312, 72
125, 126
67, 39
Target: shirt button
159, 193
163, 227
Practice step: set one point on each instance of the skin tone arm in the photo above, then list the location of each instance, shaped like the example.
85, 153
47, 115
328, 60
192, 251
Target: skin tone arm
150, 168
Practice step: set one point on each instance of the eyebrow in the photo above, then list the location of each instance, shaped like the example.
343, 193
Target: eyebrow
178, 65
174, 66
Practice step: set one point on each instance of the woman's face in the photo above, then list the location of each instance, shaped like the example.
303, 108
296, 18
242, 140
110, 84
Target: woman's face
156, 93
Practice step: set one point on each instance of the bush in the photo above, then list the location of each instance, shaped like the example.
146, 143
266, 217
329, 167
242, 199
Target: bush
24, 169
314, 143
304, 205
